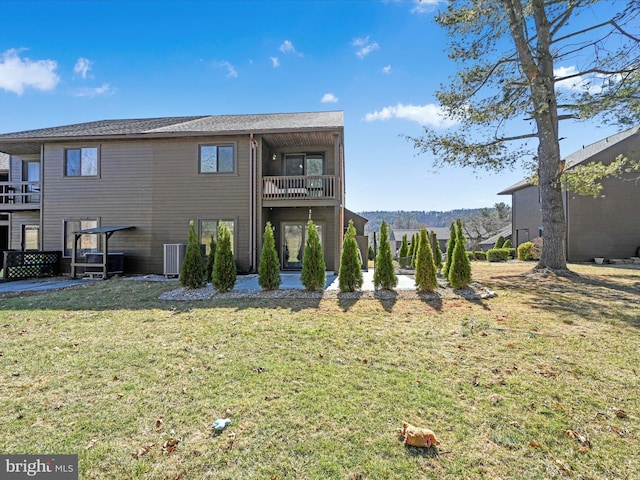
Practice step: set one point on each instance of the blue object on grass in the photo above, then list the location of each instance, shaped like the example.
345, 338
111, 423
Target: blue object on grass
220, 423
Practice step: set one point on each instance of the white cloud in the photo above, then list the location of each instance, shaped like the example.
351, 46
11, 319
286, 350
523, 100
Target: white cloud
231, 71
430, 114
275, 62
593, 84
17, 73
82, 67
364, 46
105, 89
329, 98
424, 6
387, 69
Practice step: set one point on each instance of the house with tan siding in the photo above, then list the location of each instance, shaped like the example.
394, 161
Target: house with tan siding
156, 175
605, 226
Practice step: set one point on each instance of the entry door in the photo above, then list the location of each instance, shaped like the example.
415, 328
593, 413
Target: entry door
293, 240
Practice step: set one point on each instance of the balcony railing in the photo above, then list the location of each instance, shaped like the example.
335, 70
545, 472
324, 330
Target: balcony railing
19, 195
305, 187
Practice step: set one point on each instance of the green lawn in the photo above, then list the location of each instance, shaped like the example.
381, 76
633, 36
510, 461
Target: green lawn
540, 382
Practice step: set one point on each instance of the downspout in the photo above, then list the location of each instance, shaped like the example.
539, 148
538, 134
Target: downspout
252, 204
41, 229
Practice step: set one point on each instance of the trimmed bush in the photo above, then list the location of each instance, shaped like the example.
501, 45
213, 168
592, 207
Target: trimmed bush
460, 269
269, 269
192, 273
437, 253
404, 259
372, 253
350, 275
426, 280
450, 246
507, 244
499, 242
479, 255
499, 254
384, 276
314, 270
212, 259
524, 252
224, 268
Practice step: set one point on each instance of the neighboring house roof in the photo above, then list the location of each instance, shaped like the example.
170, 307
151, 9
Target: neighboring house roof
505, 233
29, 141
442, 233
580, 156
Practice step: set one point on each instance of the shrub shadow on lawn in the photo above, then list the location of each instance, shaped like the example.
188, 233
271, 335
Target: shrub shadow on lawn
348, 299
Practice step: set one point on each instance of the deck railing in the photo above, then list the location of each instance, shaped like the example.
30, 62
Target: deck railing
304, 187
12, 193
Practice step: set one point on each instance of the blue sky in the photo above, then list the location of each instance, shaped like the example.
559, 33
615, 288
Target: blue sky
378, 61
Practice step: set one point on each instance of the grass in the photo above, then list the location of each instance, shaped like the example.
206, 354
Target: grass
540, 382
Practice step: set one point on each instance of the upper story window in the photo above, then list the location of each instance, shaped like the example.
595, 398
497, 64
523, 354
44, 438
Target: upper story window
217, 158
81, 162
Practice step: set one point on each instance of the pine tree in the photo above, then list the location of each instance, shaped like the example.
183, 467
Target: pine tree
437, 253
460, 269
314, 269
372, 253
192, 273
269, 269
415, 240
350, 275
212, 259
384, 276
450, 246
224, 268
426, 280
403, 253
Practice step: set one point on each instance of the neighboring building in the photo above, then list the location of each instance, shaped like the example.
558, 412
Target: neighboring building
490, 242
395, 237
607, 226
159, 174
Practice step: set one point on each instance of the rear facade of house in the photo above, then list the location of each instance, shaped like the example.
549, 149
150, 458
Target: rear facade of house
158, 175
605, 226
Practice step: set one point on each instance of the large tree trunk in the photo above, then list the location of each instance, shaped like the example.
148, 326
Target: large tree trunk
537, 66
553, 221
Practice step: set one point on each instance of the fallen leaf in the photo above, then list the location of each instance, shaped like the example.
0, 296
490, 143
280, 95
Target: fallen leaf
621, 413
581, 438
535, 445
461, 347
142, 450
584, 449
170, 445
90, 445
159, 425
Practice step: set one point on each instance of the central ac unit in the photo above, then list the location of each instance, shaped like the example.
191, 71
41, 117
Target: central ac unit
173, 257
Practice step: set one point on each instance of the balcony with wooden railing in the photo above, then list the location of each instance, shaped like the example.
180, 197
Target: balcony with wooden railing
300, 189
16, 196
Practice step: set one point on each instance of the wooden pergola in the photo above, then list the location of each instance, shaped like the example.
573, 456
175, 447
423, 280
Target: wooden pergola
106, 233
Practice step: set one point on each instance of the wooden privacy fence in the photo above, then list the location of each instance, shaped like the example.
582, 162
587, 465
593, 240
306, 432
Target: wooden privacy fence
21, 265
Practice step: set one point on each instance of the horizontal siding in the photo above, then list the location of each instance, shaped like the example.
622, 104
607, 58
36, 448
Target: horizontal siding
527, 214
120, 195
607, 226
181, 194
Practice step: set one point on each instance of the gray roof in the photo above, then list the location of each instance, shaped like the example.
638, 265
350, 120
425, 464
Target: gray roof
442, 233
505, 232
585, 153
581, 156
21, 142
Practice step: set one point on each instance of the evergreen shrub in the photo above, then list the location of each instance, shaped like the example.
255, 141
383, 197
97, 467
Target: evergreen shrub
192, 273
314, 269
269, 269
384, 276
224, 268
350, 274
